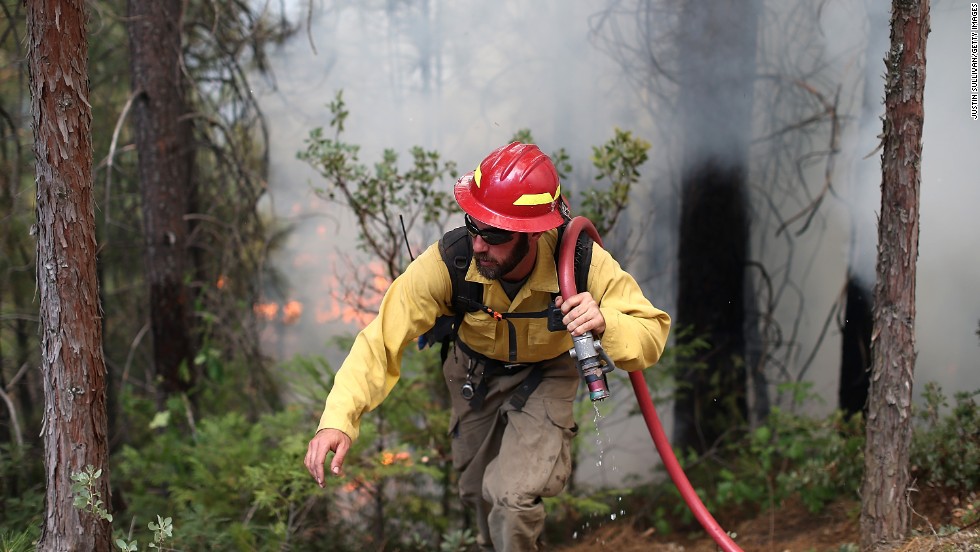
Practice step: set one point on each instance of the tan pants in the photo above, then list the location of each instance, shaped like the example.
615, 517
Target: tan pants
508, 458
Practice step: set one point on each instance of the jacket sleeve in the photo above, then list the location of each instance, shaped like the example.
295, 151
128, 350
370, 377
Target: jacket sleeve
409, 308
636, 331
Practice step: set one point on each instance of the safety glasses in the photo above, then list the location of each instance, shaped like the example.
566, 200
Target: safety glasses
493, 236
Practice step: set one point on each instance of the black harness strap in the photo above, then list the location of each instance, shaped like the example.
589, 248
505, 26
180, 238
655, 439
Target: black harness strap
520, 396
456, 248
505, 316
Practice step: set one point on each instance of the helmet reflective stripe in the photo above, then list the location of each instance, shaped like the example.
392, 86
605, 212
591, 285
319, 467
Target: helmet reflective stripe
476, 176
538, 199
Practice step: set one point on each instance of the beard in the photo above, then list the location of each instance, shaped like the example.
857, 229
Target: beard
501, 267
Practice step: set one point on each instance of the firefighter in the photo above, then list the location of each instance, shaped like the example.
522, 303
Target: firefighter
511, 380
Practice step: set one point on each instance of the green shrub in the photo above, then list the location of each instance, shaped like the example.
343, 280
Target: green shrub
814, 460
21, 491
228, 483
946, 444
24, 541
231, 483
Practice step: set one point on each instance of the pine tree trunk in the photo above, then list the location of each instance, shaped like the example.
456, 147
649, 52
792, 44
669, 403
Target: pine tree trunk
163, 139
72, 365
884, 509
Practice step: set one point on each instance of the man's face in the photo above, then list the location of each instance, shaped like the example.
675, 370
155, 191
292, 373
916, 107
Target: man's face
494, 261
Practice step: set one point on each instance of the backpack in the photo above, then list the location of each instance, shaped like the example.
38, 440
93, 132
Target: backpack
456, 248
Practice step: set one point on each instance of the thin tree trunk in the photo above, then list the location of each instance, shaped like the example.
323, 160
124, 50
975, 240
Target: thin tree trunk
73, 366
163, 139
884, 493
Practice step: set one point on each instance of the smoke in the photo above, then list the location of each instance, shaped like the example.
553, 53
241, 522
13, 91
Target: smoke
856, 36
459, 78
948, 267
947, 298
462, 77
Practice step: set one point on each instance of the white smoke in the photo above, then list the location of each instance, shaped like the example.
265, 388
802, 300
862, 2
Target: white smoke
461, 77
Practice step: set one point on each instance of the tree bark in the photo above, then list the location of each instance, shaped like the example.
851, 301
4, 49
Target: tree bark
884, 505
163, 140
72, 365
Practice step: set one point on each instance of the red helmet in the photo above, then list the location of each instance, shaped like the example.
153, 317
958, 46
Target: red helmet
515, 188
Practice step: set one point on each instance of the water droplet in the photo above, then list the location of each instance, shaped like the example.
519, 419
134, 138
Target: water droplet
612, 517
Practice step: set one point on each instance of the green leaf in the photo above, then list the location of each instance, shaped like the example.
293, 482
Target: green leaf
160, 420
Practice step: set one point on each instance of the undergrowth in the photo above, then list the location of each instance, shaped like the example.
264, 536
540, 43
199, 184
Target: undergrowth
228, 482
812, 460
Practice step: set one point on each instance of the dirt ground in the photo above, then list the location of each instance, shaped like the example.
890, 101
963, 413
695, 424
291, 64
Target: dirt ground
791, 528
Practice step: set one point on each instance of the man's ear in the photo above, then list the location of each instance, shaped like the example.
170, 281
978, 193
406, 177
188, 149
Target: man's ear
533, 237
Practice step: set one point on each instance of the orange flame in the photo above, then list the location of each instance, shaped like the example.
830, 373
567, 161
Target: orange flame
347, 302
267, 311
388, 458
291, 312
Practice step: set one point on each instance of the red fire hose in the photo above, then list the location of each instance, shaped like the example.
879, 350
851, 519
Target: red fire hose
566, 284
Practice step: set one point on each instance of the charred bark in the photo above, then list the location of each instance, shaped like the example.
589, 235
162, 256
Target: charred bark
884, 505
73, 366
163, 139
713, 252
717, 48
855, 362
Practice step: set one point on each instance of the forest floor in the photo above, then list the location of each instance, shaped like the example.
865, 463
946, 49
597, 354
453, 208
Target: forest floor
792, 528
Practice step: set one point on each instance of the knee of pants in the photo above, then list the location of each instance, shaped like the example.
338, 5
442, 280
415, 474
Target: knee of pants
519, 492
519, 477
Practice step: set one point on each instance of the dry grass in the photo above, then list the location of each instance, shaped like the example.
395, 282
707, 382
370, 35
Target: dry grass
961, 541
791, 528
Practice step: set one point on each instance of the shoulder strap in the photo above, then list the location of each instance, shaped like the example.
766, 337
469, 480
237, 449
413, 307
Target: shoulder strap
456, 248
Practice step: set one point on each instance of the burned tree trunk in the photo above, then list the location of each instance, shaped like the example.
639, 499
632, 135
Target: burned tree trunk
884, 508
72, 365
717, 46
852, 391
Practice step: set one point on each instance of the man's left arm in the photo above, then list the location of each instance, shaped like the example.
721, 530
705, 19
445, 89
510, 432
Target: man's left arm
635, 332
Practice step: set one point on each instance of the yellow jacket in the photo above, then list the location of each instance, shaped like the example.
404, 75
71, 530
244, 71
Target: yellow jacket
635, 334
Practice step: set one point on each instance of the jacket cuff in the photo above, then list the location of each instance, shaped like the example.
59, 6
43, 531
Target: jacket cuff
327, 420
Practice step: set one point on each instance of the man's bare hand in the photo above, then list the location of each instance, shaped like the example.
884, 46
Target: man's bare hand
325, 441
581, 314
